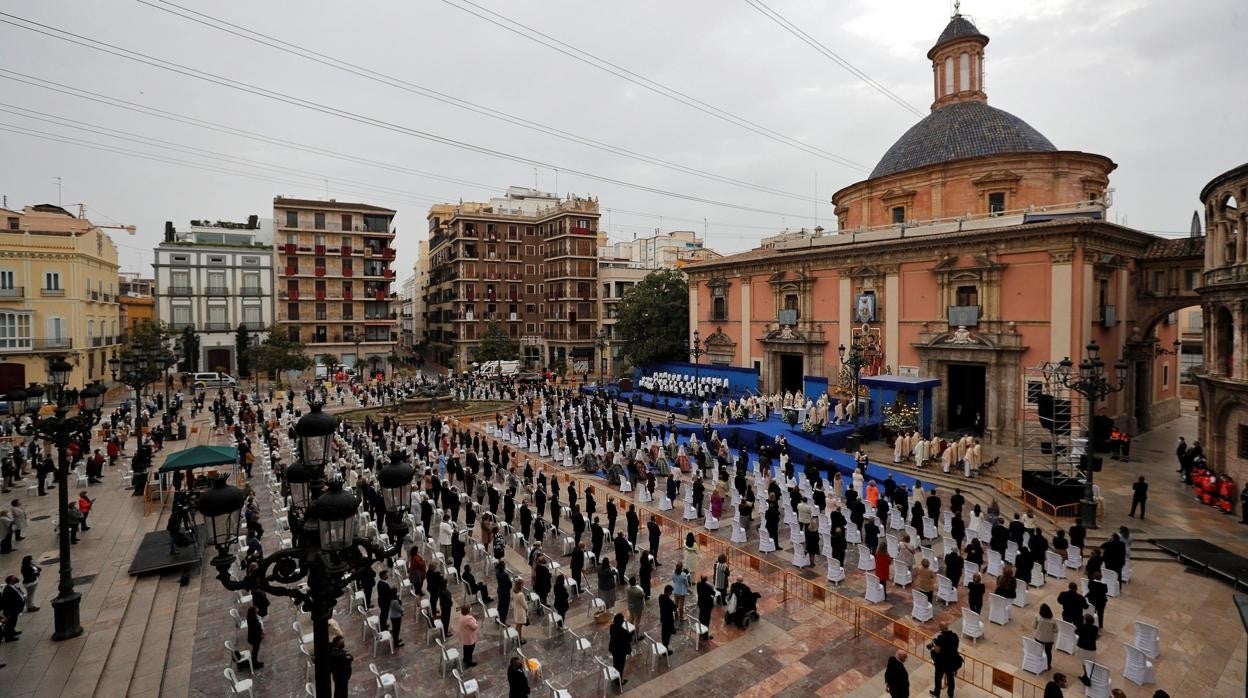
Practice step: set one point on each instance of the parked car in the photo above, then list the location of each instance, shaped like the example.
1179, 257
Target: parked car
213, 379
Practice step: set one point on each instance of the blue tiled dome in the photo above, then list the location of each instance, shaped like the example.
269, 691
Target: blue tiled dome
961, 130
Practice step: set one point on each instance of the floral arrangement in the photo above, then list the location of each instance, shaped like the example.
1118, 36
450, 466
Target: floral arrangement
901, 416
809, 426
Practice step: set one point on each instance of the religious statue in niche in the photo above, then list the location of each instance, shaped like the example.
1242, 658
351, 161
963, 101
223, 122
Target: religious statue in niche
864, 307
869, 338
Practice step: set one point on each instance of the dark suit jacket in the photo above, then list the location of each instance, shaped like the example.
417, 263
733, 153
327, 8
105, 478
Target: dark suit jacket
897, 679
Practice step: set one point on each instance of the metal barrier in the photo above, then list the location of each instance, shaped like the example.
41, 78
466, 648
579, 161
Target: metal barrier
1014, 490
792, 586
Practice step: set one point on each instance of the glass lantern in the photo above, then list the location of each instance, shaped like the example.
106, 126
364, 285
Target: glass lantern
221, 508
91, 397
17, 402
315, 430
299, 480
395, 481
335, 515
58, 371
34, 398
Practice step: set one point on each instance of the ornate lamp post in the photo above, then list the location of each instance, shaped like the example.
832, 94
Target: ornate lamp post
327, 554
697, 349
137, 369
60, 429
1092, 383
860, 355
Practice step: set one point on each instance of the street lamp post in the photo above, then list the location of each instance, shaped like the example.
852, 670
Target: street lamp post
61, 430
137, 369
602, 355
326, 555
859, 356
1092, 383
696, 349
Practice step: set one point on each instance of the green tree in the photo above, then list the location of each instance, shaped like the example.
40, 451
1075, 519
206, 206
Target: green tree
242, 342
148, 348
495, 345
189, 341
278, 353
653, 319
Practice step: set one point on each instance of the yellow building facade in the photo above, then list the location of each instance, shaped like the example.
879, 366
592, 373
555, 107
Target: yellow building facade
58, 296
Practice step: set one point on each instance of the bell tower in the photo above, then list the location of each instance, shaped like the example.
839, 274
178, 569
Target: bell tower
958, 62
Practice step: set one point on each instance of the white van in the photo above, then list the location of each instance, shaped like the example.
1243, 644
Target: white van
499, 368
213, 379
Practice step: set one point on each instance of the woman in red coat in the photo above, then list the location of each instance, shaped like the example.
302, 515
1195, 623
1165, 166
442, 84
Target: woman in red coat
883, 565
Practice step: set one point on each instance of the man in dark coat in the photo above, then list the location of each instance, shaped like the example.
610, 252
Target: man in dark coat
340, 666
667, 616
385, 592
896, 678
945, 657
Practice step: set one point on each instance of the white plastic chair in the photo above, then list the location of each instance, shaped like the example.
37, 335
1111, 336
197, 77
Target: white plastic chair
1066, 637
995, 564
372, 626
1147, 639
998, 609
972, 624
387, 685
1034, 658
1112, 586
921, 608
471, 687
902, 576
657, 650
1138, 668
945, 591
1074, 557
606, 674
968, 572
875, 591
1100, 680
238, 686
450, 655
239, 657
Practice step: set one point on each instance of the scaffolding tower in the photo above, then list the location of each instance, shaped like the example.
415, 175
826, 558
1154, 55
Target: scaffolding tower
1055, 423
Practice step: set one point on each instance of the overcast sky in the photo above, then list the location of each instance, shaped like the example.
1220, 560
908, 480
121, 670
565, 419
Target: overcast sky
1153, 85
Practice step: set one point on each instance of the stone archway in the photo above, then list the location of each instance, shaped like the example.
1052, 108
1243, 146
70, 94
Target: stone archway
1002, 364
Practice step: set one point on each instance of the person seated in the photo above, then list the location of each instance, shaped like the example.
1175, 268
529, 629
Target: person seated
743, 601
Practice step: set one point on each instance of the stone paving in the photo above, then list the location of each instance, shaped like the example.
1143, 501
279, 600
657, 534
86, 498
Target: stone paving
149, 636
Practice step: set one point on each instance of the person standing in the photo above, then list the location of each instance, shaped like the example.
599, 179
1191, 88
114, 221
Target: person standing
385, 592
654, 532
946, 659
84, 506
1055, 687
706, 603
19, 519
517, 680
30, 581
1139, 497
255, 635
1085, 645
667, 616
620, 646
896, 678
521, 610
395, 611
1046, 631
635, 597
469, 633
6, 532
12, 603
340, 666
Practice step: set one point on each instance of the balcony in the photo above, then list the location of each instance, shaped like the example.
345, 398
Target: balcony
320, 296
252, 291
577, 230
217, 327
292, 271
216, 291
254, 326
290, 248
345, 250
319, 250
388, 253
348, 295
181, 326
97, 342
52, 292
1236, 274
389, 273
12, 293
348, 272
1108, 316
93, 295
291, 295
320, 271
175, 291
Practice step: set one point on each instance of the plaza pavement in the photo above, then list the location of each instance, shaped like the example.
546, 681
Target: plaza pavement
150, 636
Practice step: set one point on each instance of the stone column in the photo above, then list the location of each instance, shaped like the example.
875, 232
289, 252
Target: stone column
746, 343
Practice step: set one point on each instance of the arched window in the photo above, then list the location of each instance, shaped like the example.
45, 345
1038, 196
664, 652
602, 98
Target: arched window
948, 75
964, 72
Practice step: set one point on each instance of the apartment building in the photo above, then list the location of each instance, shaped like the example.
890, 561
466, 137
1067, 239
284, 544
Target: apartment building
670, 250
58, 281
136, 303
212, 278
407, 311
420, 312
527, 259
334, 276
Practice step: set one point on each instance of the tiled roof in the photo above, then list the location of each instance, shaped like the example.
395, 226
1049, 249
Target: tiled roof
958, 131
1176, 248
959, 27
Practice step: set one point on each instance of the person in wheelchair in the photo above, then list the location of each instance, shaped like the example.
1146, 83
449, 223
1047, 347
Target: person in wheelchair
742, 607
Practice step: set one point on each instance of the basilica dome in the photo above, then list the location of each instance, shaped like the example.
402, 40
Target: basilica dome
960, 130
